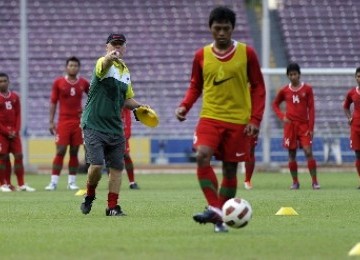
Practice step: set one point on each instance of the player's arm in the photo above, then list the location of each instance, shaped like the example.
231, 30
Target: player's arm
276, 106
52, 107
346, 106
18, 116
195, 88
257, 91
131, 104
311, 111
107, 61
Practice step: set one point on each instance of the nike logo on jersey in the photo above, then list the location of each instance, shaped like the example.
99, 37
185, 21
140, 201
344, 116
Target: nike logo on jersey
239, 154
217, 83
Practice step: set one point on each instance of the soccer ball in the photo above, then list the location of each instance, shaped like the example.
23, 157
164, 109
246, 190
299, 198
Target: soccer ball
237, 212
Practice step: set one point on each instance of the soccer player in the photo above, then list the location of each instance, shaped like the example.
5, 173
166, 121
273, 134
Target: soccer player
231, 110
110, 91
10, 141
129, 165
353, 96
68, 91
298, 119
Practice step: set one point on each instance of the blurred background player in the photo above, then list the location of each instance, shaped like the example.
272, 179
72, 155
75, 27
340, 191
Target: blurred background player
353, 96
221, 73
68, 91
10, 141
129, 166
298, 119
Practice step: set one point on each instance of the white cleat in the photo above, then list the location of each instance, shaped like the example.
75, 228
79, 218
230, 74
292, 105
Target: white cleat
247, 185
72, 186
26, 187
5, 188
51, 187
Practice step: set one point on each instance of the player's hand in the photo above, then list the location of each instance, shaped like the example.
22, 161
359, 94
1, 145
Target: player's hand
350, 120
12, 134
286, 120
180, 113
310, 133
52, 128
114, 55
251, 130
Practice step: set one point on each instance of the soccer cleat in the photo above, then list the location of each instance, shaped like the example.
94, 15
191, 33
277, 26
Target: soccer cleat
315, 186
72, 186
295, 186
134, 186
116, 211
12, 187
5, 188
220, 227
208, 216
248, 185
51, 186
25, 187
87, 204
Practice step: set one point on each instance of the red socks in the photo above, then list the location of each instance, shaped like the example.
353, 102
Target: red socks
73, 164
209, 185
112, 200
57, 165
129, 166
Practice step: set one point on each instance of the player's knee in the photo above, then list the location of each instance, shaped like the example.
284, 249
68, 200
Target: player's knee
203, 157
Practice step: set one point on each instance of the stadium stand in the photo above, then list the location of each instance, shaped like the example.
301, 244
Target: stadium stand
162, 38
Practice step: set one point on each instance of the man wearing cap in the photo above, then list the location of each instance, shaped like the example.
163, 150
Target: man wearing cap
110, 91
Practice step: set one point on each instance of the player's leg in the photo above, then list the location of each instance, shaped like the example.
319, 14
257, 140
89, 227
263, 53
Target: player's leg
114, 148
129, 167
16, 150
76, 139
290, 143
73, 167
357, 164
311, 163
306, 142
57, 165
355, 145
4, 158
8, 171
95, 157
229, 182
249, 166
293, 167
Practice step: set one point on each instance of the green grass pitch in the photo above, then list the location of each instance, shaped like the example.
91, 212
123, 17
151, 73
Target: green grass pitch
159, 225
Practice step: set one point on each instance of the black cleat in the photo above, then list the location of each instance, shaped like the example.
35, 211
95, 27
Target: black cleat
87, 204
115, 211
134, 186
208, 216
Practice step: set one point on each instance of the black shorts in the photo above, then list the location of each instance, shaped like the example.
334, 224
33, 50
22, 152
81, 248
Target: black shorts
102, 146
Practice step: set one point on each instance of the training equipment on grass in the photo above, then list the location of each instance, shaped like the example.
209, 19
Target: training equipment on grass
286, 211
80, 192
147, 116
237, 212
355, 250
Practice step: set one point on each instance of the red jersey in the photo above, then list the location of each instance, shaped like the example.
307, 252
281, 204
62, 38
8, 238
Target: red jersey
10, 113
222, 86
299, 104
353, 96
69, 95
126, 119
